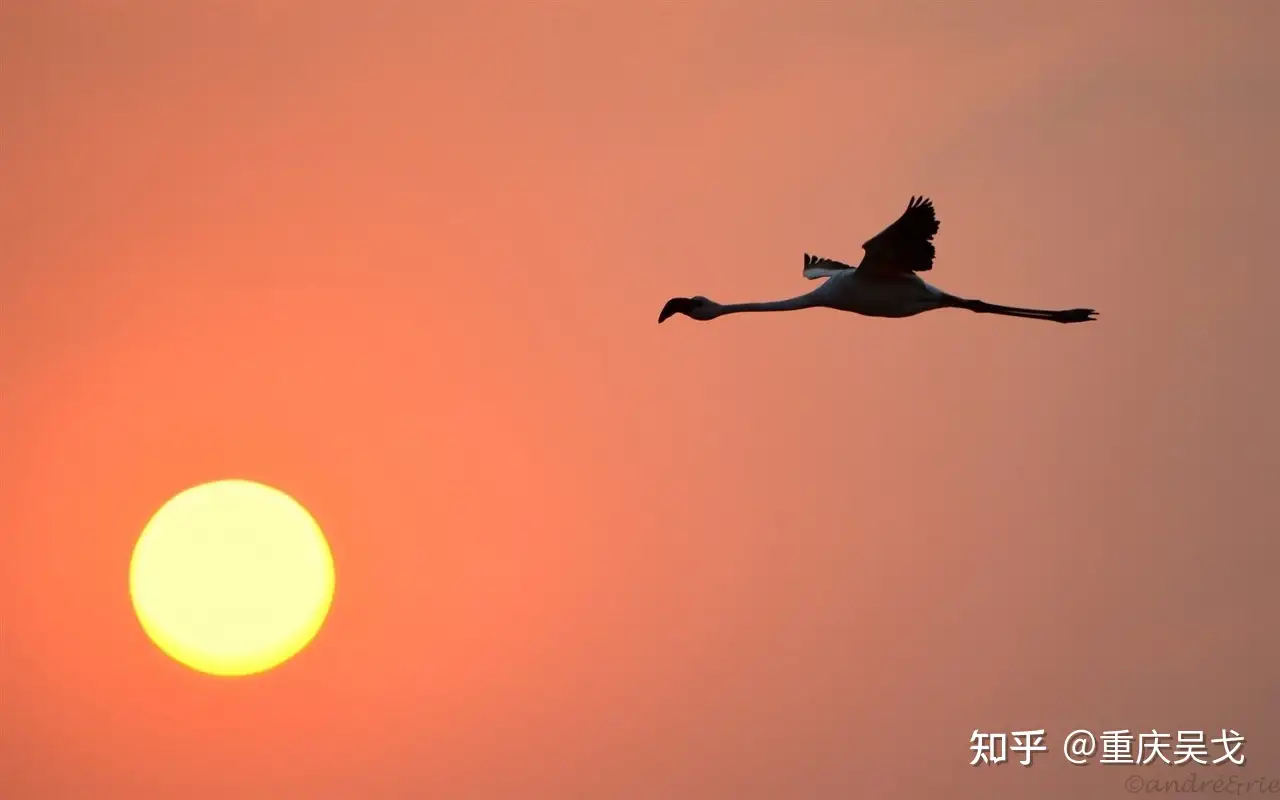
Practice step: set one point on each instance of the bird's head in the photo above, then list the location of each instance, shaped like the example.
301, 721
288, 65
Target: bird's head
699, 308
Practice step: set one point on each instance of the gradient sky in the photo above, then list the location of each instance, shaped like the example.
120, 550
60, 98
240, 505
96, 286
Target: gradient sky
404, 261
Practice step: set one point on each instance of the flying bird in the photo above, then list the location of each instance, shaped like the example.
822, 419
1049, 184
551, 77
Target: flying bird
884, 284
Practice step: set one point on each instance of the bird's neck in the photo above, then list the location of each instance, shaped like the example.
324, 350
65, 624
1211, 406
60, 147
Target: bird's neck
790, 304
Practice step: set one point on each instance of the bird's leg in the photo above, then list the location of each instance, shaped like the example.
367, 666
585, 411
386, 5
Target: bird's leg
1065, 316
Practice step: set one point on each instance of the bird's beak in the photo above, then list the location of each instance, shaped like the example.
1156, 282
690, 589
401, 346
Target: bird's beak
675, 305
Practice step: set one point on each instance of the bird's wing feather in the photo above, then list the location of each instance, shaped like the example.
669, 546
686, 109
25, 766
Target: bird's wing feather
816, 267
906, 246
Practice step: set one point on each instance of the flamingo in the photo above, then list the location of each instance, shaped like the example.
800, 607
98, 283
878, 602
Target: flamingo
884, 284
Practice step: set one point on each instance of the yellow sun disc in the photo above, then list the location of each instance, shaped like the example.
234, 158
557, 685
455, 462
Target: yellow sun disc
231, 577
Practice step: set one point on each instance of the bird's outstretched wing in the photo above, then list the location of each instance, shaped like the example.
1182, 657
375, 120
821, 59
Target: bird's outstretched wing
816, 267
906, 246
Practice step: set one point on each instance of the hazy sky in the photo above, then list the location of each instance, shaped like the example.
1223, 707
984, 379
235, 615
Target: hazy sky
404, 261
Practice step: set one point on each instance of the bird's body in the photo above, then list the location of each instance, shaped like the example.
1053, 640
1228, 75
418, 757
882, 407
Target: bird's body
884, 284
904, 297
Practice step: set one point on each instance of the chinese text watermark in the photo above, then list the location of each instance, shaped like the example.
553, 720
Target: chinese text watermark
1117, 747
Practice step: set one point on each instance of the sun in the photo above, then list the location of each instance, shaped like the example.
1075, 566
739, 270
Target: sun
231, 577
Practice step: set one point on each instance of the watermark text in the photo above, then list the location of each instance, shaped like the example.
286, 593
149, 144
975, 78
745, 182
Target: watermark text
1120, 746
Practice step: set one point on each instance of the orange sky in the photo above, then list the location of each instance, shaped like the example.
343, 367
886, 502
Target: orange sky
405, 263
